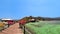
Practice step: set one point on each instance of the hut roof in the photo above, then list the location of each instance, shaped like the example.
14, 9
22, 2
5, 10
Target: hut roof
6, 19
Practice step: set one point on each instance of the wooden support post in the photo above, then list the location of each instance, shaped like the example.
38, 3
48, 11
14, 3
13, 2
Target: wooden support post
24, 29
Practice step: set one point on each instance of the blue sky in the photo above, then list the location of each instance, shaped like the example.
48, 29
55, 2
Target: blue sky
17, 9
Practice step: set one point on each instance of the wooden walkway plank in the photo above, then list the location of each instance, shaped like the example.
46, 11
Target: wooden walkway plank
13, 29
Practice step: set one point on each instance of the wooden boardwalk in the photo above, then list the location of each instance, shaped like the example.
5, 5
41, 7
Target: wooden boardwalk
13, 29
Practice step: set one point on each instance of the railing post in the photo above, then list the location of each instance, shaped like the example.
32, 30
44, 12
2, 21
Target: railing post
24, 29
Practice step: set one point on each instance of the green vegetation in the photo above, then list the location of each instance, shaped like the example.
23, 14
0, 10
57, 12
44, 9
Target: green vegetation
44, 27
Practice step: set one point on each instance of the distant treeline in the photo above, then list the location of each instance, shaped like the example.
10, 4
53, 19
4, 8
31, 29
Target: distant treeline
41, 18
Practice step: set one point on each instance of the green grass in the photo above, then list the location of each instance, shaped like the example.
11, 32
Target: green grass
44, 28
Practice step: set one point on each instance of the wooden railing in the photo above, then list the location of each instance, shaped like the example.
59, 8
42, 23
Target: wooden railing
26, 30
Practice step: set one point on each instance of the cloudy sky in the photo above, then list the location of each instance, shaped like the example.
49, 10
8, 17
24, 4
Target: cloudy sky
17, 9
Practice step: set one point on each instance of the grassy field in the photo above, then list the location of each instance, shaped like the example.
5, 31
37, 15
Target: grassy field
45, 27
